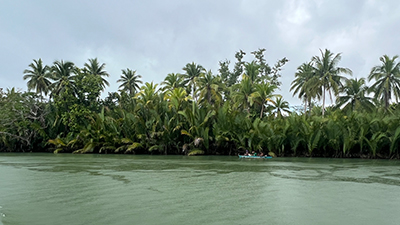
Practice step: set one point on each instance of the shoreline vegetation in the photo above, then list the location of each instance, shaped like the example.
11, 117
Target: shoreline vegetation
198, 112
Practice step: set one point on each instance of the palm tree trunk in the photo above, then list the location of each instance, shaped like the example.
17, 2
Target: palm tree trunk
247, 107
323, 103
209, 95
386, 100
262, 110
194, 90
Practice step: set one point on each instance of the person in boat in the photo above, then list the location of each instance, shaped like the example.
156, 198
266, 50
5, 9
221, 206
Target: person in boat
254, 153
261, 154
247, 153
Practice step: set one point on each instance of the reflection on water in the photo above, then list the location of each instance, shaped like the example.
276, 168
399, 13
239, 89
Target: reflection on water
348, 170
124, 189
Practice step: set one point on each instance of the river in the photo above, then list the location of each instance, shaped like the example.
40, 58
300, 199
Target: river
49, 189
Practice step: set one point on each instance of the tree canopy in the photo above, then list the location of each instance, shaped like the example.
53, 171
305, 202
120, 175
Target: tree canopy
195, 111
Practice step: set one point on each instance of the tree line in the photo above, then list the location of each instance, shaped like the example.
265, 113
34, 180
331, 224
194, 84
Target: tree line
199, 112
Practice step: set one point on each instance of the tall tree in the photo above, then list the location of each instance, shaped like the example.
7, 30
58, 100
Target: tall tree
263, 67
97, 69
64, 93
210, 86
280, 105
176, 98
39, 77
387, 79
354, 95
193, 71
305, 84
22, 122
275, 71
241, 94
225, 73
172, 81
262, 95
130, 81
148, 94
238, 68
252, 71
89, 87
63, 75
326, 69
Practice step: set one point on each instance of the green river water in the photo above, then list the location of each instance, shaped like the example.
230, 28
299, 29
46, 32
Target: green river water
48, 189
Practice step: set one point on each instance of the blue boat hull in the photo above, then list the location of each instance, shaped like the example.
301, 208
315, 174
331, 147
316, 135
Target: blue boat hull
254, 157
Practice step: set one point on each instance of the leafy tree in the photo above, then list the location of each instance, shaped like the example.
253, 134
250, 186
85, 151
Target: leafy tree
238, 68
225, 73
22, 121
263, 67
76, 118
89, 87
387, 79
112, 100
275, 72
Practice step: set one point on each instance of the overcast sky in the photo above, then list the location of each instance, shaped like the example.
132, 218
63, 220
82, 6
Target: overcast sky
157, 37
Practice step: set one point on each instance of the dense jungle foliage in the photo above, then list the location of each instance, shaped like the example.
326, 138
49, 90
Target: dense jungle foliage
198, 112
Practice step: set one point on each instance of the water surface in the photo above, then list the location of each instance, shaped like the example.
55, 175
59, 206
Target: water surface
125, 189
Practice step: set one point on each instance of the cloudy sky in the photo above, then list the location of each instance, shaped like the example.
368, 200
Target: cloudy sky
157, 37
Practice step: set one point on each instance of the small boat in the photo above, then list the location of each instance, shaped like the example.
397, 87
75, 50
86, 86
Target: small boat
254, 157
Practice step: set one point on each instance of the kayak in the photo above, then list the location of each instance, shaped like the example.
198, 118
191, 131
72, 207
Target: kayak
254, 157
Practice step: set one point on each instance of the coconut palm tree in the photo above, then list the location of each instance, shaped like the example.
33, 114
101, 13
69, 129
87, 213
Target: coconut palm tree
328, 72
176, 98
39, 77
262, 95
305, 84
280, 106
241, 94
193, 71
172, 81
210, 88
252, 71
97, 69
354, 95
148, 94
387, 79
130, 81
63, 75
